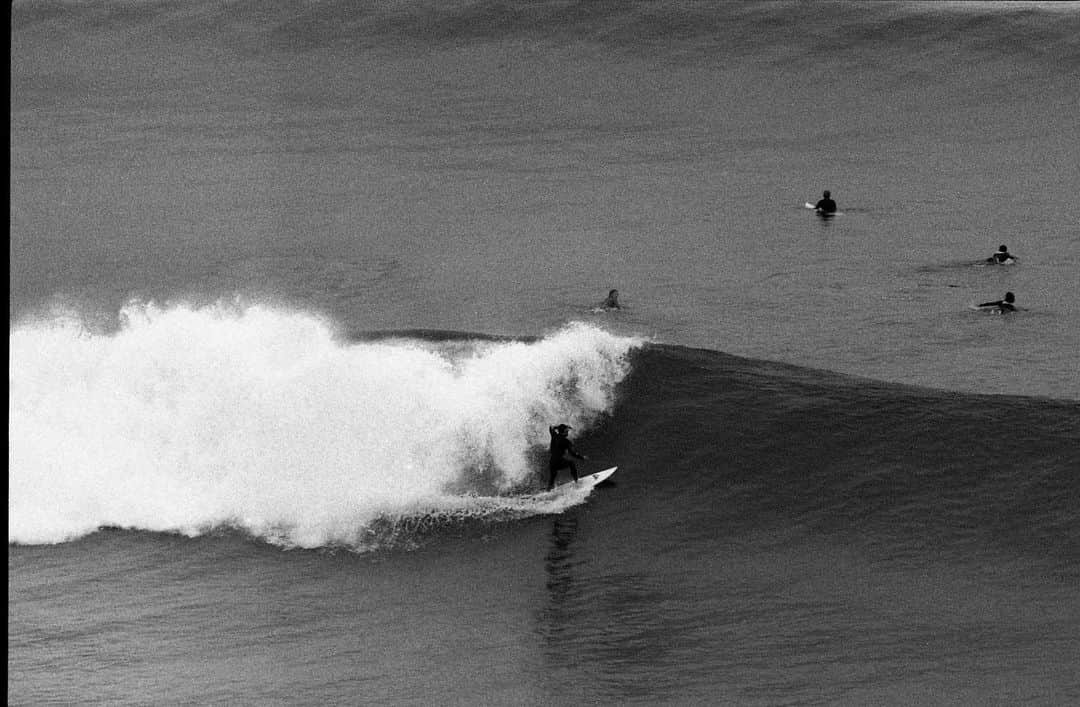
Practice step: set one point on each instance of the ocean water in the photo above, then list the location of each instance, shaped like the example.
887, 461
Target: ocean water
296, 289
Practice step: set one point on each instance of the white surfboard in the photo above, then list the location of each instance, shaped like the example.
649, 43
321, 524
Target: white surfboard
557, 500
813, 207
584, 483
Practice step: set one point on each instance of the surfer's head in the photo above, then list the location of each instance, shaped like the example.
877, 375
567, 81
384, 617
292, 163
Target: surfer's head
562, 429
1009, 297
826, 194
1003, 249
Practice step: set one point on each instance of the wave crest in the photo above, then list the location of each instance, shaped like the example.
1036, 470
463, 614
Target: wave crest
187, 419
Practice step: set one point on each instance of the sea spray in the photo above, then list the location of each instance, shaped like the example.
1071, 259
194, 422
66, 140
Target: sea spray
187, 419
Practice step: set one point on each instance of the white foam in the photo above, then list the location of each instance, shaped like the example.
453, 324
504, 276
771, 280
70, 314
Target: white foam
193, 418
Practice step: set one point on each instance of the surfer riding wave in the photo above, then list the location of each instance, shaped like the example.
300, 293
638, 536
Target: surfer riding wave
560, 447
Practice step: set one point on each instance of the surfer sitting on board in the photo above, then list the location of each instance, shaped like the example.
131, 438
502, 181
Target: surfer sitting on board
561, 445
1002, 256
612, 301
826, 205
1002, 305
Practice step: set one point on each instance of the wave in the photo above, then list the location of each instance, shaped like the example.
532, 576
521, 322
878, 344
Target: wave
1045, 31
733, 446
193, 420
190, 419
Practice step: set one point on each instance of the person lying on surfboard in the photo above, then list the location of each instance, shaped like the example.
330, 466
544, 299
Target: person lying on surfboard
825, 205
1001, 257
1002, 305
560, 446
612, 301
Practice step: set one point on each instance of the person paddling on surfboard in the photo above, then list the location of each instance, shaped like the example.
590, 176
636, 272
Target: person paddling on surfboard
612, 301
1002, 305
825, 205
1002, 256
561, 446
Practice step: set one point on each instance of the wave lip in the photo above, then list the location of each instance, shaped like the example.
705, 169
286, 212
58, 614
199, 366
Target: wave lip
189, 419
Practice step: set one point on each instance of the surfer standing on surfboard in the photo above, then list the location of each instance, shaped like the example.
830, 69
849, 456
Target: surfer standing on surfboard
561, 446
825, 205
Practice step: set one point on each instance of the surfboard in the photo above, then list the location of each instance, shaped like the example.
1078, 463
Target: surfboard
557, 500
584, 483
991, 309
812, 207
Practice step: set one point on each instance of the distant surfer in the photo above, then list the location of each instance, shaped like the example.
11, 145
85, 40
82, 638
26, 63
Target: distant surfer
1002, 256
612, 301
1002, 305
825, 205
560, 447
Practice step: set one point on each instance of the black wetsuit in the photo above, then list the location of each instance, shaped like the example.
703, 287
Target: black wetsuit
826, 206
1000, 257
1001, 304
560, 446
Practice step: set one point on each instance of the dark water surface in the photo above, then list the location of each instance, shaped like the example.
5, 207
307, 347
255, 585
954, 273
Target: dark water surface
295, 292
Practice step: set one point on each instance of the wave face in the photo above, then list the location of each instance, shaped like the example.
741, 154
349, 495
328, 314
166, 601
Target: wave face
732, 448
185, 420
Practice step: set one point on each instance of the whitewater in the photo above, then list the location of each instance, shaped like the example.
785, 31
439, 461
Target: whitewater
186, 420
